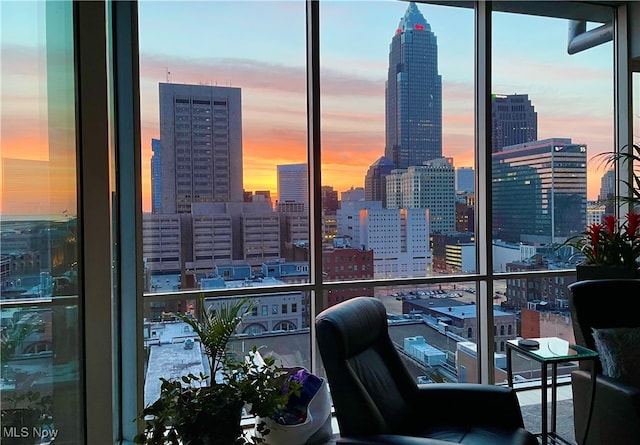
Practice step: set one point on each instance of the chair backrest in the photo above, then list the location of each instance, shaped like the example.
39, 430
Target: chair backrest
606, 303
370, 385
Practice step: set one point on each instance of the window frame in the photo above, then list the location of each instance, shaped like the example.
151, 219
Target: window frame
127, 313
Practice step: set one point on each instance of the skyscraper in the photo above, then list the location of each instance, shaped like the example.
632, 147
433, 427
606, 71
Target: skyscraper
607, 186
465, 180
375, 188
428, 186
201, 145
293, 184
156, 177
540, 191
513, 119
413, 95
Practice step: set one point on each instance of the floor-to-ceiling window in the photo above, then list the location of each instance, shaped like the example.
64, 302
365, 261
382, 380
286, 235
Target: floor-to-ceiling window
41, 367
396, 92
224, 175
552, 112
225, 172
226, 196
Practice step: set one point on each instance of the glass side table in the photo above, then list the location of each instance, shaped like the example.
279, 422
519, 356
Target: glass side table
551, 351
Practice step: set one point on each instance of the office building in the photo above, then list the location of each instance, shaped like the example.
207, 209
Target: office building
293, 184
329, 198
465, 180
429, 186
447, 252
595, 213
513, 120
375, 188
399, 239
156, 176
607, 186
353, 194
201, 145
348, 219
340, 264
540, 191
413, 93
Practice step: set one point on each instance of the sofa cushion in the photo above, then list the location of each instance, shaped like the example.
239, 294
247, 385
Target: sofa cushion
619, 351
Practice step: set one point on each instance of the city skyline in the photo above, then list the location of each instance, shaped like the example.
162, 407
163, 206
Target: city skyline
267, 63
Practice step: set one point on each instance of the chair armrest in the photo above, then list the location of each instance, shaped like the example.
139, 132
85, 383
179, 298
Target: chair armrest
616, 409
485, 405
389, 439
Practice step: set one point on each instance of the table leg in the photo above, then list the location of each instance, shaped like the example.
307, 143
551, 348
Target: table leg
554, 396
509, 370
545, 429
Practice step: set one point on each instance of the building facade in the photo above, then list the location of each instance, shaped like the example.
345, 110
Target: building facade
514, 120
399, 239
375, 188
346, 264
293, 184
465, 180
413, 93
201, 145
156, 176
539, 191
429, 186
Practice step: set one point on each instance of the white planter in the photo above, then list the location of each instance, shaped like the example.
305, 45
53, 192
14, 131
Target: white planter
315, 429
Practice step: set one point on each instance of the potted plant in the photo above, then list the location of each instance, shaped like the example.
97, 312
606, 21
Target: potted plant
202, 410
610, 249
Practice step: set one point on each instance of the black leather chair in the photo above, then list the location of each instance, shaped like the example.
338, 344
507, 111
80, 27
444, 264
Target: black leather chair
607, 303
378, 402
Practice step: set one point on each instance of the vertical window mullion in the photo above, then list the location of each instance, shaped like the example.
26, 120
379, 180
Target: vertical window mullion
484, 216
95, 217
126, 136
315, 191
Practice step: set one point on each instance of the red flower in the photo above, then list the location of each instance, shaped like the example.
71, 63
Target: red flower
613, 242
634, 222
594, 233
610, 222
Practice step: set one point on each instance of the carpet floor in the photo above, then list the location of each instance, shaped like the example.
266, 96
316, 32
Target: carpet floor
531, 415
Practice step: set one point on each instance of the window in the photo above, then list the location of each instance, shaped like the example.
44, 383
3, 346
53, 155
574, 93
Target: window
41, 226
245, 248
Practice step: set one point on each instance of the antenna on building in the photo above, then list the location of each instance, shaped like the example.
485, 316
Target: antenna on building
167, 74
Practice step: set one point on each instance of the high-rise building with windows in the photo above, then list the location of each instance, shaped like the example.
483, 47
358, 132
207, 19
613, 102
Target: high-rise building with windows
156, 177
399, 239
607, 186
465, 180
413, 94
293, 184
201, 145
429, 186
513, 119
540, 191
375, 188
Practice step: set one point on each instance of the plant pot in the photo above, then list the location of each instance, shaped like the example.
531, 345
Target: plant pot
219, 428
315, 429
601, 271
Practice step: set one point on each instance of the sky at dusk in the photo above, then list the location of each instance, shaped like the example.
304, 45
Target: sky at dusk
260, 47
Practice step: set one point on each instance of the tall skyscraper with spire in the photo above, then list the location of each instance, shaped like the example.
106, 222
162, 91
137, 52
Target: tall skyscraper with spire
413, 96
